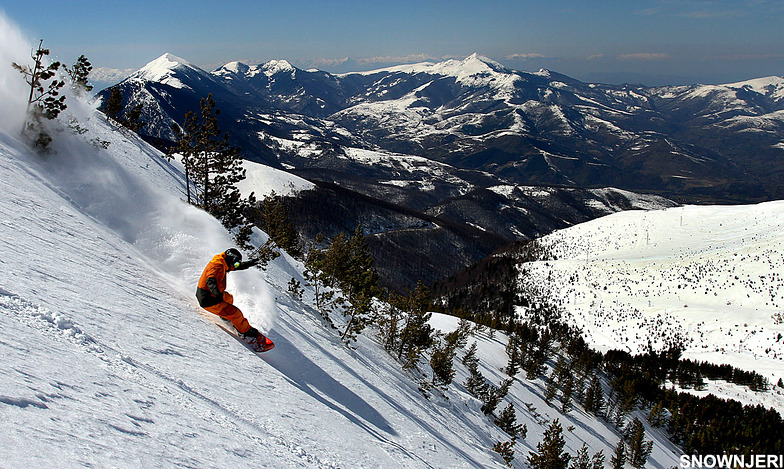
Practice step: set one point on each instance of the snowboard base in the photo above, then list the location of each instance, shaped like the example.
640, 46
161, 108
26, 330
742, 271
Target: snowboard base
258, 344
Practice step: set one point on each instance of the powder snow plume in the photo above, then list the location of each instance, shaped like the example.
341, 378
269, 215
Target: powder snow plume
13, 89
142, 203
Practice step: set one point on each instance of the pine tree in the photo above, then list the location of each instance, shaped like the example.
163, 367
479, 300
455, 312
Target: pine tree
295, 289
551, 387
442, 360
594, 396
213, 168
470, 359
657, 416
494, 395
597, 460
550, 452
43, 101
513, 351
416, 335
507, 421
273, 219
618, 459
133, 118
476, 384
113, 105
581, 460
567, 392
316, 276
264, 254
389, 324
79, 73
505, 450
639, 449
535, 360
360, 280
346, 264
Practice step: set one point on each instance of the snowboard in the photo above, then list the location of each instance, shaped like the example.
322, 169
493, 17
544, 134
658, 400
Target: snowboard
258, 344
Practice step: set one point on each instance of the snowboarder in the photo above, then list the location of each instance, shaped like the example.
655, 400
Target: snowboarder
212, 295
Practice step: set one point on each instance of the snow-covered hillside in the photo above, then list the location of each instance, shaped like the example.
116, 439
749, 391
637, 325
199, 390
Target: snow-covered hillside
108, 363
709, 278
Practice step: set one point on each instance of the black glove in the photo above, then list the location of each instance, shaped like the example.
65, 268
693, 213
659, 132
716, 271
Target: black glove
247, 264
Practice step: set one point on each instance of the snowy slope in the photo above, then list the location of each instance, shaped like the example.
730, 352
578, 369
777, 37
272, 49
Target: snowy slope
263, 180
110, 363
107, 362
707, 277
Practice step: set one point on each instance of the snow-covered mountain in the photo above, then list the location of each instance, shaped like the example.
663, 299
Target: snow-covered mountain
107, 361
310, 123
529, 128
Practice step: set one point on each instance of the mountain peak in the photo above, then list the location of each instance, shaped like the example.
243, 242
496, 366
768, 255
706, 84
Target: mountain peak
277, 66
166, 61
476, 58
162, 70
232, 68
471, 65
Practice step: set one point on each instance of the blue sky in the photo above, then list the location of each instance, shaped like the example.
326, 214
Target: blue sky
651, 42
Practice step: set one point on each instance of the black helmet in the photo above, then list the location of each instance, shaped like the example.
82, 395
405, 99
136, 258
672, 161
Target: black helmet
233, 258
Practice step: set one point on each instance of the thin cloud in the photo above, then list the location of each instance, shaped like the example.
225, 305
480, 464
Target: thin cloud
525, 56
705, 14
644, 56
704, 9
329, 62
649, 11
411, 58
749, 57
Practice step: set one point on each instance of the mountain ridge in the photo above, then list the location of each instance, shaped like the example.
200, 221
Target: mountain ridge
455, 111
428, 135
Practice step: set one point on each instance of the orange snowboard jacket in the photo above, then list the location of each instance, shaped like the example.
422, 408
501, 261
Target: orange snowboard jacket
212, 282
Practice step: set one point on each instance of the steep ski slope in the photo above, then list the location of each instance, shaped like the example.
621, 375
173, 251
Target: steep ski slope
107, 363
709, 278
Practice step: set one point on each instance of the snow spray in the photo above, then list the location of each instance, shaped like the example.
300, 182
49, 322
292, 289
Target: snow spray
13, 89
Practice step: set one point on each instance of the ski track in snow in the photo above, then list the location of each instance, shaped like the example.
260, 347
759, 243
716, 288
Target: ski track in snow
155, 382
63, 279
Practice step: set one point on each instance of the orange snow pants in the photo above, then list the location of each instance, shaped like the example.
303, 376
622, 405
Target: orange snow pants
228, 311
